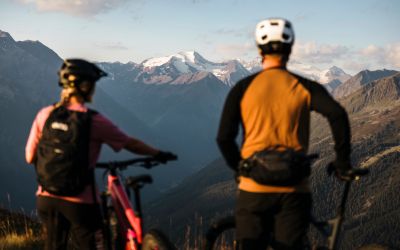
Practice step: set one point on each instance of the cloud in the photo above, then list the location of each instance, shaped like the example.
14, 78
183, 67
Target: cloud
229, 51
351, 59
371, 50
393, 54
112, 46
238, 32
354, 67
75, 7
319, 53
387, 56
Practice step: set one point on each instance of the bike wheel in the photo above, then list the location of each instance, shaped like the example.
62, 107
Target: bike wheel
156, 240
221, 235
114, 237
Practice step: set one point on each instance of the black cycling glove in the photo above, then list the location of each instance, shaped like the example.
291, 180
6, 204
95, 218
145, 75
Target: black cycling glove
341, 169
164, 156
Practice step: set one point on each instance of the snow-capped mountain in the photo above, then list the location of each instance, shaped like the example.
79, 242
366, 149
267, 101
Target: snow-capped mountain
166, 69
333, 73
322, 76
252, 66
174, 68
184, 61
331, 78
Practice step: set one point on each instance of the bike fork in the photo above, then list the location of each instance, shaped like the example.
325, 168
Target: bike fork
336, 223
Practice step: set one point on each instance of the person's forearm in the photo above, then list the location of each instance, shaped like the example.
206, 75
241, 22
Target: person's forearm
139, 147
341, 134
230, 152
30, 158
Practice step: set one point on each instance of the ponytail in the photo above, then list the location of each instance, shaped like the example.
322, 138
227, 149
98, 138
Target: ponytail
65, 96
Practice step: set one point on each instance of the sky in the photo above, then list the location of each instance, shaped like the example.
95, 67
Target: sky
353, 35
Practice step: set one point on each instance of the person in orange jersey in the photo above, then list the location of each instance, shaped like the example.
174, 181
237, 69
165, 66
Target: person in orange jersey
272, 108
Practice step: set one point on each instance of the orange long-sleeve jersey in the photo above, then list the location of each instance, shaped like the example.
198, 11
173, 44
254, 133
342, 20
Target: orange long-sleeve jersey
273, 108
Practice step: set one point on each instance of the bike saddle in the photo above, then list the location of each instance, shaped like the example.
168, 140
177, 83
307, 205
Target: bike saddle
138, 181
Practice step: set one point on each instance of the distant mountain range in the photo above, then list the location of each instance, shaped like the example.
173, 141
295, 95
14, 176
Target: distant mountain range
167, 69
170, 67
174, 102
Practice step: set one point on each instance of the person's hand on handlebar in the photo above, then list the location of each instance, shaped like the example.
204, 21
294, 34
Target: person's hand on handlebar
347, 173
164, 156
341, 169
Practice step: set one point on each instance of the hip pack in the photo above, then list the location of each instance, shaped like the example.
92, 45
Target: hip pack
62, 164
276, 168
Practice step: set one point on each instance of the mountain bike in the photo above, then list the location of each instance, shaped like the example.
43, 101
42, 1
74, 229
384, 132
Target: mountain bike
221, 234
123, 222
330, 229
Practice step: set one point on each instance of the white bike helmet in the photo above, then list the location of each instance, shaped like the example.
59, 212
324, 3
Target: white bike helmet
274, 36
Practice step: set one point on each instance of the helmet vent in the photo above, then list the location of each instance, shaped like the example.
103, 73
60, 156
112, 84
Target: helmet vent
274, 23
285, 36
264, 37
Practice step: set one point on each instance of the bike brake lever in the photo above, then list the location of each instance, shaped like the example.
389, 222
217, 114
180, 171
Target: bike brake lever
349, 175
353, 174
357, 173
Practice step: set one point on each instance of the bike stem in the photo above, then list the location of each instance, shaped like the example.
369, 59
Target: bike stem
336, 223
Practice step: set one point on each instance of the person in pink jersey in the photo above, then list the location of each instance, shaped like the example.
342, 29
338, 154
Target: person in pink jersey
80, 214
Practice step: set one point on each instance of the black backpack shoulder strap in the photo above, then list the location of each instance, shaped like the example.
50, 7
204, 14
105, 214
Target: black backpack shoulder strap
92, 112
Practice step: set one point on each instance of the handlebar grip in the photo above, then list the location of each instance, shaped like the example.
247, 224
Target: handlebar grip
102, 165
356, 174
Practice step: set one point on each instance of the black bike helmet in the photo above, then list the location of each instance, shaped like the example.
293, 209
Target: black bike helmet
274, 36
74, 72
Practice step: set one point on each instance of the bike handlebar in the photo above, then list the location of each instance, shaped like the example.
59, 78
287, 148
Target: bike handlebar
352, 174
355, 174
146, 162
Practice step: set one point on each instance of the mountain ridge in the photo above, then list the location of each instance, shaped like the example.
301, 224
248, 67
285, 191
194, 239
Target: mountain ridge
360, 79
383, 90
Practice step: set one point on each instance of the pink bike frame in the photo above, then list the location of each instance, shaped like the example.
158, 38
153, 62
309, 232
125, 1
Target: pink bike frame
128, 220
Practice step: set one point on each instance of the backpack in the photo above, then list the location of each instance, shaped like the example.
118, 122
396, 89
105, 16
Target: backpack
62, 163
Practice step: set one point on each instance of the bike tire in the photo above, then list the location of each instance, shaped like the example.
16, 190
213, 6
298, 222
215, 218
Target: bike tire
156, 240
216, 233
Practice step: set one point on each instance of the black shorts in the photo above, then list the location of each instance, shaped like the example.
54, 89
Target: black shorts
278, 219
63, 219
